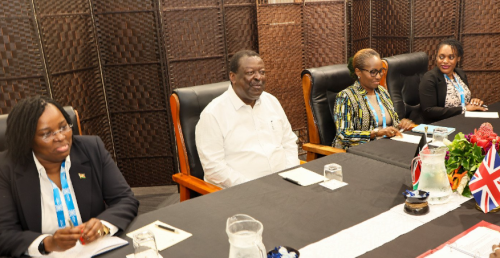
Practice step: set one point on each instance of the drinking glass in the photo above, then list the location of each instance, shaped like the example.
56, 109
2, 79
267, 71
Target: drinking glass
332, 171
438, 136
145, 245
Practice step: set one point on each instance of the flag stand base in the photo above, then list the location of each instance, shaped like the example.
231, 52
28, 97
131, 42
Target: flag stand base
497, 209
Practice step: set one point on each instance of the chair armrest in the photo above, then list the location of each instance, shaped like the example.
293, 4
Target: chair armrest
195, 184
321, 149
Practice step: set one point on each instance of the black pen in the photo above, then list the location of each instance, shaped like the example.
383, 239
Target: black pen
167, 228
291, 180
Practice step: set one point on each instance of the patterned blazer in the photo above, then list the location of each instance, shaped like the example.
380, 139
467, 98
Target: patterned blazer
353, 117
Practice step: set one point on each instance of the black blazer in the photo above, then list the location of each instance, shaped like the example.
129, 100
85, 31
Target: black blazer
432, 90
103, 194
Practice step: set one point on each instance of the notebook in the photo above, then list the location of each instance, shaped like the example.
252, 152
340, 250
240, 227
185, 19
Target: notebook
302, 176
95, 248
430, 128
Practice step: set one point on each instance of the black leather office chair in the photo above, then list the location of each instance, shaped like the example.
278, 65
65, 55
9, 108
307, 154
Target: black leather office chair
186, 105
73, 115
403, 77
321, 86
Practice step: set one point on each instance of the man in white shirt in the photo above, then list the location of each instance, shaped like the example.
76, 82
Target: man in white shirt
244, 134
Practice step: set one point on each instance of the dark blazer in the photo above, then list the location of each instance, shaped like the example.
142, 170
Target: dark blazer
103, 194
432, 90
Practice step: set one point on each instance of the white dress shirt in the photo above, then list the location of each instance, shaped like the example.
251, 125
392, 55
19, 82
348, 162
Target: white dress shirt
237, 143
49, 215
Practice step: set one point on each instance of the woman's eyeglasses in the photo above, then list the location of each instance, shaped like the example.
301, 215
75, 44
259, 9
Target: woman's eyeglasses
47, 137
374, 72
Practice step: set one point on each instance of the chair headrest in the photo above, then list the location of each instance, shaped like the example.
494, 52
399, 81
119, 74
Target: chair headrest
192, 100
403, 79
408, 64
3, 125
327, 82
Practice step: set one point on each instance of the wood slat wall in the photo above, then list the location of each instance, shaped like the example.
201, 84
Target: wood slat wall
117, 62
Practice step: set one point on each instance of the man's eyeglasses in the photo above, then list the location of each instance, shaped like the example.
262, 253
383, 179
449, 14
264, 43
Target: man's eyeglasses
374, 72
47, 137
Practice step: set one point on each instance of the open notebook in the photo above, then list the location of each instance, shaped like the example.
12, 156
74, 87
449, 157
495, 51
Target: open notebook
100, 246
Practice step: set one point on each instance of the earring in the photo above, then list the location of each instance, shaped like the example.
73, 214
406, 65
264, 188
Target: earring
358, 77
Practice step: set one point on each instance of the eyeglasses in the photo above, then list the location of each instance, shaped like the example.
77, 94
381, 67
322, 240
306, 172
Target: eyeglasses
374, 72
47, 137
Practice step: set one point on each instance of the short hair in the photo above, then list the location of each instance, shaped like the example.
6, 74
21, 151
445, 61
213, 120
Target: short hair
234, 65
21, 126
455, 45
359, 60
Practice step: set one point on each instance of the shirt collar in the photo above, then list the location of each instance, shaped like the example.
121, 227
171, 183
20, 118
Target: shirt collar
41, 169
236, 101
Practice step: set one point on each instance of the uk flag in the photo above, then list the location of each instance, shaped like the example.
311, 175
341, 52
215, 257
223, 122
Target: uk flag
485, 184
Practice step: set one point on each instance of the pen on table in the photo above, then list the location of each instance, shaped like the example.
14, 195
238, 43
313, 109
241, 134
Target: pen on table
167, 228
291, 180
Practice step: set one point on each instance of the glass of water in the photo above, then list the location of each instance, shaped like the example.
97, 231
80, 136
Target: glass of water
332, 171
145, 245
439, 135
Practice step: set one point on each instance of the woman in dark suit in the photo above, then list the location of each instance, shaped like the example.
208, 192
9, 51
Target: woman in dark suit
444, 90
56, 188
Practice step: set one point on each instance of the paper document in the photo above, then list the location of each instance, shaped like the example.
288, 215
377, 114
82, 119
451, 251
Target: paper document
333, 184
164, 238
97, 247
302, 176
430, 129
476, 243
481, 114
409, 138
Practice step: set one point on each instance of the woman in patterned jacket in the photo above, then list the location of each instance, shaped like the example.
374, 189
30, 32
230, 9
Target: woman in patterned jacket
364, 111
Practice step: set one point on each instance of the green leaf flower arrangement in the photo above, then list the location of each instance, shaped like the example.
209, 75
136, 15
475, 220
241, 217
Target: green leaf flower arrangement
464, 156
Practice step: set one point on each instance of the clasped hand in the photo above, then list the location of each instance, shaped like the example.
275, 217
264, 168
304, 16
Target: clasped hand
66, 238
404, 124
475, 105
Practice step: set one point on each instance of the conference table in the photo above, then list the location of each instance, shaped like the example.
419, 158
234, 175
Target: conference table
401, 153
297, 216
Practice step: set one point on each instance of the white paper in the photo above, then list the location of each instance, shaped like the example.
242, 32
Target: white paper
86, 251
385, 227
164, 238
333, 184
409, 138
481, 114
476, 243
449, 251
303, 176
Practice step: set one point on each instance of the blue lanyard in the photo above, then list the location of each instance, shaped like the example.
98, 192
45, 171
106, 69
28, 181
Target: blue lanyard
384, 124
459, 88
67, 197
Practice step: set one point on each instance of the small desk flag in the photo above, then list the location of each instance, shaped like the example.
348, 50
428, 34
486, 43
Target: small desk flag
416, 163
485, 184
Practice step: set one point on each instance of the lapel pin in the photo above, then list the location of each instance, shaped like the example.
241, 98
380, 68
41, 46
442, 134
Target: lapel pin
81, 175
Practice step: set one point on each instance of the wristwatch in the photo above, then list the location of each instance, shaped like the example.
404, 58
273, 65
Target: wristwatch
41, 248
375, 131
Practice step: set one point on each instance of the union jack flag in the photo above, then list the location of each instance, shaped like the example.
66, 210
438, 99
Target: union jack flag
485, 184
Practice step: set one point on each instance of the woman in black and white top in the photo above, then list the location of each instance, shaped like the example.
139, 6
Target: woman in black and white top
444, 90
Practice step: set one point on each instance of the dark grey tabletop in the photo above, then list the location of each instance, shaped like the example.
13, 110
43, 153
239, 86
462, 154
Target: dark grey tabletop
292, 215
